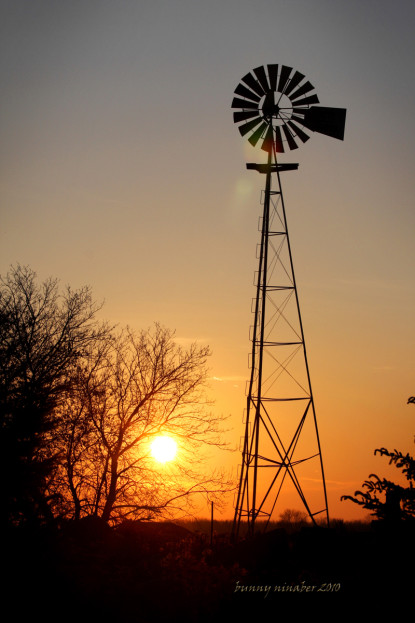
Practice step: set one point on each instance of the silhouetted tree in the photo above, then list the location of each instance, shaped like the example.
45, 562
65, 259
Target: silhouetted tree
293, 516
126, 391
396, 502
43, 334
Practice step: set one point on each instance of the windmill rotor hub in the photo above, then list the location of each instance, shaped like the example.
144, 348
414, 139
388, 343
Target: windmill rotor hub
275, 108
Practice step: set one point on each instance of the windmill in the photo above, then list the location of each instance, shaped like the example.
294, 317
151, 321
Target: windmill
277, 108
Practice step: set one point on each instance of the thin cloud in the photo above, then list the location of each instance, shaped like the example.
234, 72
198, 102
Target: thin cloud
227, 379
185, 341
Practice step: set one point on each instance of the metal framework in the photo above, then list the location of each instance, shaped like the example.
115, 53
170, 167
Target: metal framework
277, 109
281, 445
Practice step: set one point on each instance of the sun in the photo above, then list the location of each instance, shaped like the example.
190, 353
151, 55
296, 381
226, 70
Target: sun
163, 449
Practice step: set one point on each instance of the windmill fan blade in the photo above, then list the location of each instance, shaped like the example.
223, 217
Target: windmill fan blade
279, 147
262, 78
299, 111
246, 127
244, 115
328, 121
299, 119
296, 79
305, 88
290, 139
285, 74
257, 134
238, 103
244, 92
312, 99
268, 140
255, 86
273, 76
299, 132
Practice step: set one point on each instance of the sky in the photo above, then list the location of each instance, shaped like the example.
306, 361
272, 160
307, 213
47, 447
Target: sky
121, 168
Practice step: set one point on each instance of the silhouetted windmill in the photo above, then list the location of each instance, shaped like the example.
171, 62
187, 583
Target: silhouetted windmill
281, 446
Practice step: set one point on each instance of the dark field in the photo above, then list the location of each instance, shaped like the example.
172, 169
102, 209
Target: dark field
145, 572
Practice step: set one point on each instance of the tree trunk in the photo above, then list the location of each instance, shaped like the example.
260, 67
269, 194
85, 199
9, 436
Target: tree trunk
112, 492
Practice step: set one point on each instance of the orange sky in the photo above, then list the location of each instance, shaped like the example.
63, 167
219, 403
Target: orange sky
121, 168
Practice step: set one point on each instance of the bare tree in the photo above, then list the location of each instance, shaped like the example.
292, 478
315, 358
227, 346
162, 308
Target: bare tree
129, 390
43, 334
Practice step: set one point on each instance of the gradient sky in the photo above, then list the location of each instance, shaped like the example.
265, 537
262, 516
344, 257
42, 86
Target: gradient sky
121, 168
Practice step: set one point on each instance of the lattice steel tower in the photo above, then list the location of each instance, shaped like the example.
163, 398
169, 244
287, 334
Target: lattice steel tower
281, 446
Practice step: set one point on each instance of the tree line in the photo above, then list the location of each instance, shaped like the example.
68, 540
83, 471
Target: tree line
80, 402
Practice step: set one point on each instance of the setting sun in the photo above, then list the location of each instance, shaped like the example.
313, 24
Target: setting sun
163, 449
